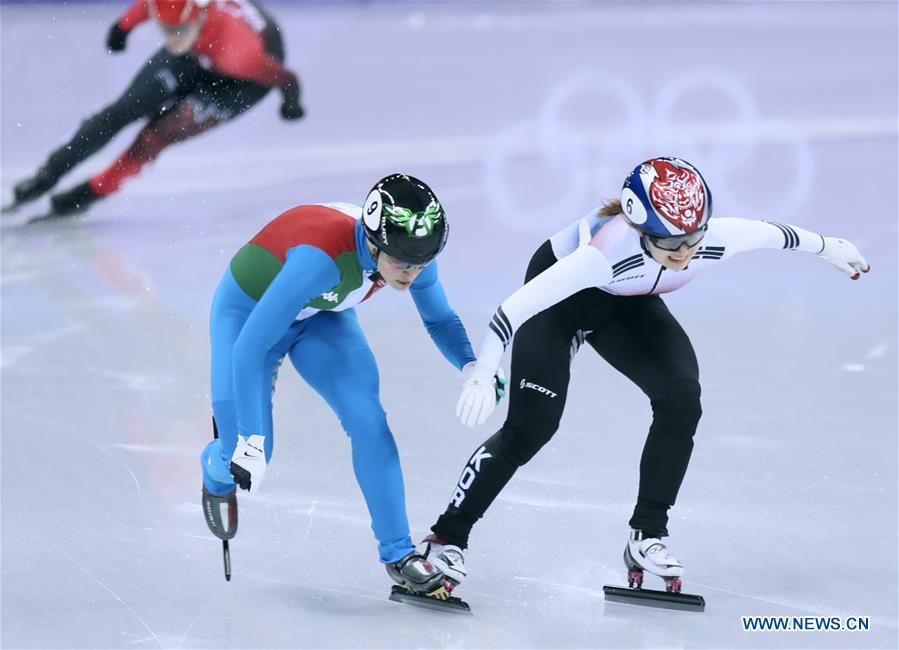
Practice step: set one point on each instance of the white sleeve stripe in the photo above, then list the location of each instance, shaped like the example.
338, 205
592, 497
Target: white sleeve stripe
586, 267
741, 235
499, 335
794, 238
627, 267
502, 329
504, 319
626, 261
710, 253
791, 238
783, 232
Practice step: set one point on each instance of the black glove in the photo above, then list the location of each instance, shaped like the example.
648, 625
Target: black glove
115, 39
241, 476
291, 109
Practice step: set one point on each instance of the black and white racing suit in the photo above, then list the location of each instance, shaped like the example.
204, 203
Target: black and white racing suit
594, 282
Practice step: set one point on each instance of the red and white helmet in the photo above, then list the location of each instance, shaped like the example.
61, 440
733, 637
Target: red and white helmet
666, 197
174, 13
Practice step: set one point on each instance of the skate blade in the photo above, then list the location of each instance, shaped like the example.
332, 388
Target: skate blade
653, 598
51, 217
450, 604
9, 208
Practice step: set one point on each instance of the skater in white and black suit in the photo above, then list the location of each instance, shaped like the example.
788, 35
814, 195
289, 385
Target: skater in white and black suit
598, 282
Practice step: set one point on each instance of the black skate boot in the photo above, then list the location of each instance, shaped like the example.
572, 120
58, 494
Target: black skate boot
69, 203
32, 188
73, 201
221, 513
421, 583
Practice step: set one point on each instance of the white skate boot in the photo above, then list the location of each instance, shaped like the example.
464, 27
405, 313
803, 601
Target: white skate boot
418, 576
650, 554
448, 558
420, 582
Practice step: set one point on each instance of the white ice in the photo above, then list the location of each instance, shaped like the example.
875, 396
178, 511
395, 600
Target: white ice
522, 116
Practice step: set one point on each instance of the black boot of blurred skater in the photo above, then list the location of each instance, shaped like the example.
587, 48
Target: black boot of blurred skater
31, 188
73, 201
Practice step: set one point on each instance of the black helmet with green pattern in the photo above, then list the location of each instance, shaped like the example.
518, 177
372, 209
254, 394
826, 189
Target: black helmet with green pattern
403, 218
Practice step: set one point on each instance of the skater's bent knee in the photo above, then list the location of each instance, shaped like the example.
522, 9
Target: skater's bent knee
678, 400
518, 445
681, 393
364, 421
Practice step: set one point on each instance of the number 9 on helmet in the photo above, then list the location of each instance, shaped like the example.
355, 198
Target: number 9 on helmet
403, 218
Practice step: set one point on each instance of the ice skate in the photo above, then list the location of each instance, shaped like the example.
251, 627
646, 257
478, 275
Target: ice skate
69, 203
31, 188
420, 583
416, 574
219, 497
220, 511
448, 558
649, 554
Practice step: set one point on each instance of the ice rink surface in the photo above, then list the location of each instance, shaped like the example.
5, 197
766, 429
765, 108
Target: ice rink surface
522, 117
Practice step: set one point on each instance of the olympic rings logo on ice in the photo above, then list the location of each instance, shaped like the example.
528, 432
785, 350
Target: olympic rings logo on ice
569, 165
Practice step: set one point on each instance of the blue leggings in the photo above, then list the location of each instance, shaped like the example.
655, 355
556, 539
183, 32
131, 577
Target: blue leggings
331, 354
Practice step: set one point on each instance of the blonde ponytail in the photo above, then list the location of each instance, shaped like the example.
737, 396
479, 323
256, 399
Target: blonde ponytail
610, 207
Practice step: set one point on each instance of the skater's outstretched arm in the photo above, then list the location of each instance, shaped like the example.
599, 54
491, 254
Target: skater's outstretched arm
441, 321
741, 235
117, 36
136, 14
584, 268
245, 57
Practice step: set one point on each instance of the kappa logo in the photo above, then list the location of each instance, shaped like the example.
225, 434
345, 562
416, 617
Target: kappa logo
330, 296
540, 389
468, 475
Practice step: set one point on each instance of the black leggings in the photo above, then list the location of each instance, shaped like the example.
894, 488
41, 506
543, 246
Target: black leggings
640, 338
164, 82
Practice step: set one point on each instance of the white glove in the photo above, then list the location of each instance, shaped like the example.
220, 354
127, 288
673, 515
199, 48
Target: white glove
843, 255
248, 462
478, 398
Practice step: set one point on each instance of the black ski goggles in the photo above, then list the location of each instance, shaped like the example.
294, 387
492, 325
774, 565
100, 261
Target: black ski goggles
675, 242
